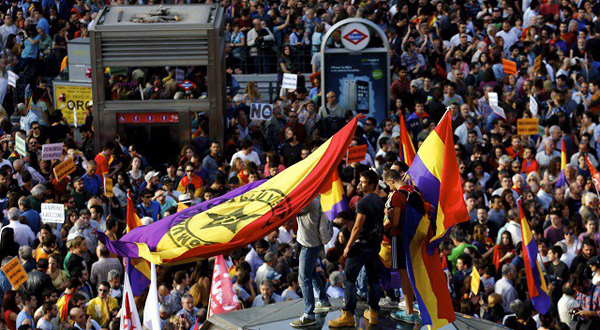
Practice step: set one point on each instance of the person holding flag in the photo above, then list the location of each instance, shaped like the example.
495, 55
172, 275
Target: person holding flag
401, 194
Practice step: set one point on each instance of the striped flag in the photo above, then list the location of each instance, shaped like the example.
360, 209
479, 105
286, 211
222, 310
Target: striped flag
562, 180
407, 149
435, 172
333, 200
538, 291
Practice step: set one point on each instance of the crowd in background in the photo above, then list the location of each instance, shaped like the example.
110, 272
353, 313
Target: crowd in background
445, 56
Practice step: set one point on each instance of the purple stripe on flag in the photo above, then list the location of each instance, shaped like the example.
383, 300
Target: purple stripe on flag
561, 181
541, 302
139, 281
338, 207
154, 232
425, 181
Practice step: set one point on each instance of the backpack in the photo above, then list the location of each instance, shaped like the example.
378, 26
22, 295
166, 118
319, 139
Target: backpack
325, 227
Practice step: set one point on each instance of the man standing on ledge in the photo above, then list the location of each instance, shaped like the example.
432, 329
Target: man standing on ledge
363, 250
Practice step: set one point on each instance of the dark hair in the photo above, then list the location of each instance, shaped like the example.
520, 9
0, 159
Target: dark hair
9, 302
371, 177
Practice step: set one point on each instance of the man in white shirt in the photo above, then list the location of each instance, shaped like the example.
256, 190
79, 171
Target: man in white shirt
509, 36
246, 154
505, 287
23, 234
266, 270
27, 118
543, 157
565, 304
7, 29
50, 311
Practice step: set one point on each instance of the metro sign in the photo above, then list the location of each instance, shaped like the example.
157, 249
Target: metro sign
355, 37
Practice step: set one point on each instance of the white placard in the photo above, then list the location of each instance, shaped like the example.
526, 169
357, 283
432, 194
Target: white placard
533, 106
260, 111
290, 81
53, 213
12, 79
493, 99
499, 111
20, 145
52, 151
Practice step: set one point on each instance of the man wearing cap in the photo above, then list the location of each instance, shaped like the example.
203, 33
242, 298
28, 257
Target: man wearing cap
151, 181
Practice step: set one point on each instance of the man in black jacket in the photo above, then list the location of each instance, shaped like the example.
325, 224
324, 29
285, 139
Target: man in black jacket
38, 280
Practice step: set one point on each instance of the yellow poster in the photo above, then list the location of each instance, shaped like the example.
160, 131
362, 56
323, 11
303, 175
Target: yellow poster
73, 97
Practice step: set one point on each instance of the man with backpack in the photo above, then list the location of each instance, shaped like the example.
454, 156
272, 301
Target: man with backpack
314, 230
401, 194
363, 250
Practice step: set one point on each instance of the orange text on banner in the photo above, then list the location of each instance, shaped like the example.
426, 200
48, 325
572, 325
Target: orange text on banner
527, 126
15, 273
509, 67
356, 154
63, 169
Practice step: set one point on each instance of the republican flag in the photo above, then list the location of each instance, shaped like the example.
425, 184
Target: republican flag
333, 200
435, 172
563, 164
223, 298
130, 319
594, 173
138, 269
407, 149
151, 312
239, 217
425, 270
538, 291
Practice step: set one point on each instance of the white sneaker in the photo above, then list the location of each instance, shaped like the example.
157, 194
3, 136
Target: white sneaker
322, 307
387, 303
402, 305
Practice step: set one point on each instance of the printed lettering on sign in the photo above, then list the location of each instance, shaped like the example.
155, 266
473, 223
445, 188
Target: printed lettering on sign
260, 111
15, 273
52, 151
53, 213
527, 126
356, 154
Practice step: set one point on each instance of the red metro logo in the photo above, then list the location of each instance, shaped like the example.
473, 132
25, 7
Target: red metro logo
355, 36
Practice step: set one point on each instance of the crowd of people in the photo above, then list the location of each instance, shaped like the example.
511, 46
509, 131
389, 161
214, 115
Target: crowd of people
446, 56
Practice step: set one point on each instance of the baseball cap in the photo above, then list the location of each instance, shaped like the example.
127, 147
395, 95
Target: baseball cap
273, 275
150, 175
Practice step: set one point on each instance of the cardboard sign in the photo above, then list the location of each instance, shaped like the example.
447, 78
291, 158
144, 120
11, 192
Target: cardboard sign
499, 111
53, 213
509, 67
108, 187
260, 111
15, 273
493, 99
290, 81
527, 126
52, 151
356, 154
63, 169
73, 101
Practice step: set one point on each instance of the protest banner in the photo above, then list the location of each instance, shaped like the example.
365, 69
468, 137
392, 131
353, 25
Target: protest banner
527, 126
356, 154
53, 213
52, 151
15, 273
63, 169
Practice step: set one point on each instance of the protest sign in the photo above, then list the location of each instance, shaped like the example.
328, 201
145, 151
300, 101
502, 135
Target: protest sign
356, 154
290, 81
15, 273
260, 111
52, 151
527, 126
20, 145
53, 213
63, 169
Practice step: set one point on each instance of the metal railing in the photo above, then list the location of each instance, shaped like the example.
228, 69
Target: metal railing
267, 84
267, 60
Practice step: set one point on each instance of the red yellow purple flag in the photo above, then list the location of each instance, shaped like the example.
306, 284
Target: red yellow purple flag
407, 149
435, 172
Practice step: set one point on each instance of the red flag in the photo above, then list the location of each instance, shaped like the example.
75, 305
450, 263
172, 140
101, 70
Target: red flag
595, 174
222, 296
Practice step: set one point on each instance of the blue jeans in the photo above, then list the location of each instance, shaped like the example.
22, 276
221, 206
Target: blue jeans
309, 279
360, 255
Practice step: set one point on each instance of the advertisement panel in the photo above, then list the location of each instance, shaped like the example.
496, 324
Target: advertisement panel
359, 80
70, 99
